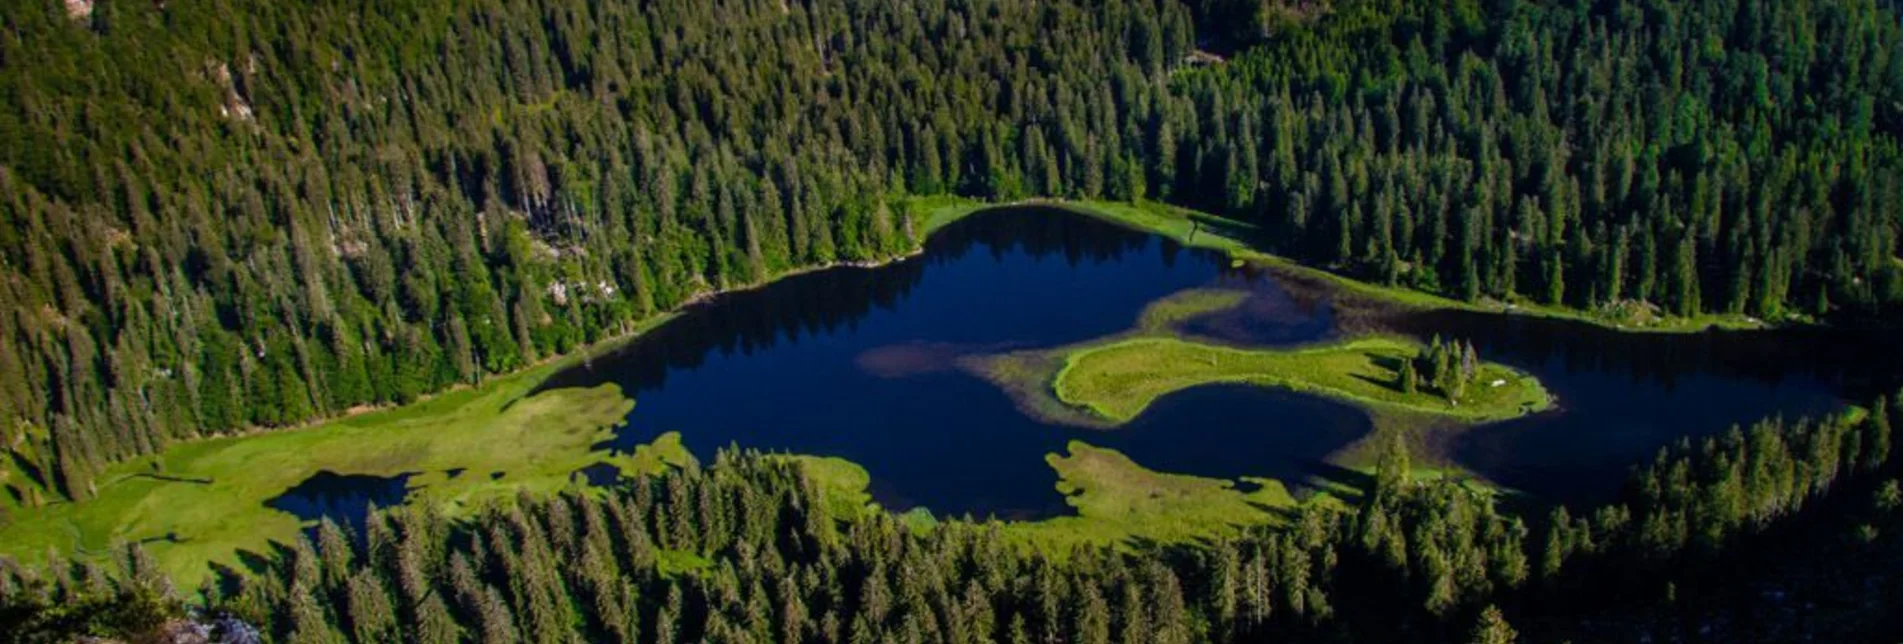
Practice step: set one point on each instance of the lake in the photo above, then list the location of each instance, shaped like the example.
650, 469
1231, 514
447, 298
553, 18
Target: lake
863, 364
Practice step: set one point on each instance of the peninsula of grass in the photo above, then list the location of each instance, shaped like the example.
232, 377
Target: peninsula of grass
1026, 375
1120, 379
1119, 503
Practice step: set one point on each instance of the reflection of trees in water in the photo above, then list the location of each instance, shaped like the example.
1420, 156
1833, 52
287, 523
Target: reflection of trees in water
1663, 387
1861, 363
826, 301
1858, 363
747, 321
1043, 232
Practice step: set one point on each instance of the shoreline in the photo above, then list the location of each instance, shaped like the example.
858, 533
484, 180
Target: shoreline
472, 418
942, 211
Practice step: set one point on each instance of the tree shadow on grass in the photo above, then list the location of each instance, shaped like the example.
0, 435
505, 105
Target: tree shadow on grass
1323, 476
31, 471
1386, 363
1238, 231
1384, 384
257, 563
229, 581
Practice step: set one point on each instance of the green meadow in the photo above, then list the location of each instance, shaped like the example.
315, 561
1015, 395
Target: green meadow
1120, 379
204, 501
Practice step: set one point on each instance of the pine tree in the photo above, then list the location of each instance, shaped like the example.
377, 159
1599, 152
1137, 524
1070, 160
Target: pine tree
1877, 440
1492, 628
367, 605
433, 624
1391, 470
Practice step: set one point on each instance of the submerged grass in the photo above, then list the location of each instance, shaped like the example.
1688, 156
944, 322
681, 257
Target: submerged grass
1163, 315
1120, 379
1026, 376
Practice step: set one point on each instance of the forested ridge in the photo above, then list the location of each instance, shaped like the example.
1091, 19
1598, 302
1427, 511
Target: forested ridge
750, 549
220, 214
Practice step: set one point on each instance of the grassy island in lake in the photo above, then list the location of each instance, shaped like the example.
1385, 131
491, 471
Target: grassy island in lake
1105, 382
1120, 379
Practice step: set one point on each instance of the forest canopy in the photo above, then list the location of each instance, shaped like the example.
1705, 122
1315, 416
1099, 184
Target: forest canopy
220, 214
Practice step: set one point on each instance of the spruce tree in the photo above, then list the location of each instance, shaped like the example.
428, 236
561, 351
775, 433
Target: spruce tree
1492, 628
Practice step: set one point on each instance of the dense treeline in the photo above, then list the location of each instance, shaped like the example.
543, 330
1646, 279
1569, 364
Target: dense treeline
1719, 155
747, 550
223, 214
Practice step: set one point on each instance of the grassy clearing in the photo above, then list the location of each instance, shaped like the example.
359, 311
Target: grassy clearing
1119, 502
1120, 379
534, 442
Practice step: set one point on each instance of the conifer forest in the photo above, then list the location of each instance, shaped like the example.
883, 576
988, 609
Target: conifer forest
1603, 292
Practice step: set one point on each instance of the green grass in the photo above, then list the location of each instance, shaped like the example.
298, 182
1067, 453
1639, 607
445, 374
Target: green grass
1121, 503
1120, 379
1026, 376
1117, 502
1105, 382
676, 563
934, 213
536, 442
842, 484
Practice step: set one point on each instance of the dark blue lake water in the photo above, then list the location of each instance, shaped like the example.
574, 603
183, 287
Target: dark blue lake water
860, 363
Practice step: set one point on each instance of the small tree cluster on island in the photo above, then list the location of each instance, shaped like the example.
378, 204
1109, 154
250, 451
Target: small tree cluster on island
1450, 368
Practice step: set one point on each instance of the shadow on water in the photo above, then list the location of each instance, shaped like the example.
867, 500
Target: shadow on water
849, 362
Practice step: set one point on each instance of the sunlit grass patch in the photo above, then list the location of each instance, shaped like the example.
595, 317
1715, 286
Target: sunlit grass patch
1120, 379
1119, 502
